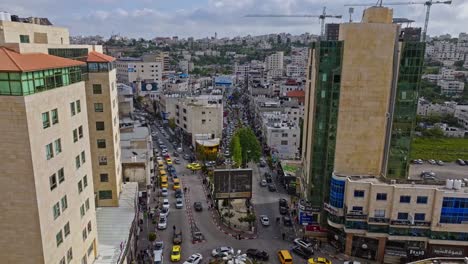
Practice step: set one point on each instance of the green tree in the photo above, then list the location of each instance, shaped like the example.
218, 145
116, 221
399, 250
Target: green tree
433, 133
172, 123
151, 237
251, 150
236, 149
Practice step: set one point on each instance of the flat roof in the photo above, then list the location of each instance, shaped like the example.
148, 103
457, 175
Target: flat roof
447, 171
114, 224
137, 133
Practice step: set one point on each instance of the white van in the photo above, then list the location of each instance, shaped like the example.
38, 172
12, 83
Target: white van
158, 257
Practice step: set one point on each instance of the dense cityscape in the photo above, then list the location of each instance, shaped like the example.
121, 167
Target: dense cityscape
347, 145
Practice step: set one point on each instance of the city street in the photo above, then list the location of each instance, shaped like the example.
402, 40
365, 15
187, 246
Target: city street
265, 202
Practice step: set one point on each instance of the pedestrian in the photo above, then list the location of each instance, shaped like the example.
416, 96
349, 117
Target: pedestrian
283, 235
173, 227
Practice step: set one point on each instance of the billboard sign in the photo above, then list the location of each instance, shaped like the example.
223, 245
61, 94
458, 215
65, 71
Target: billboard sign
232, 183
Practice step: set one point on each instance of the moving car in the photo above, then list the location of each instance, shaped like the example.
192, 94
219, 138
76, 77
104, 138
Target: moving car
158, 251
283, 202
271, 187
194, 259
178, 193
164, 192
263, 183
264, 220
222, 251
287, 221
166, 203
194, 166
168, 161
177, 237
263, 163
257, 254
177, 161
305, 253
176, 184
164, 212
175, 253
198, 206
186, 157
162, 224
283, 210
302, 243
179, 203
319, 260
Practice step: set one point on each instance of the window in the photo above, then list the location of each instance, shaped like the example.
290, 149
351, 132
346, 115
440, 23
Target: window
402, 216
49, 151
419, 217
83, 157
45, 120
97, 89
357, 208
80, 131
66, 229
53, 182
405, 199
104, 195
69, 255
358, 193
379, 213
89, 227
61, 175
284, 134
100, 126
78, 106
58, 146
203, 121
82, 210
85, 181
284, 142
104, 177
72, 108
381, 197
75, 135
59, 238
56, 210
101, 143
98, 107
77, 162
64, 203
55, 118
85, 235
87, 204
24, 38
80, 187
421, 200
62, 261
102, 160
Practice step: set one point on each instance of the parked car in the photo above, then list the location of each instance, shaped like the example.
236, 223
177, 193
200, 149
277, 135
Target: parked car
194, 259
283, 202
198, 206
186, 157
177, 237
175, 154
271, 187
193, 166
428, 175
264, 220
162, 224
432, 162
222, 251
263, 183
179, 203
262, 163
320, 260
302, 243
352, 262
257, 254
440, 163
461, 162
287, 221
177, 161
305, 253
166, 203
418, 161
283, 210
178, 193
164, 212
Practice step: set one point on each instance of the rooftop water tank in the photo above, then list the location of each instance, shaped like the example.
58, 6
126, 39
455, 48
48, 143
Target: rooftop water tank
5, 16
449, 184
457, 184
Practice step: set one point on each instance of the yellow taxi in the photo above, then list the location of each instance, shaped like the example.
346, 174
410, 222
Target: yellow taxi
318, 261
168, 161
175, 253
194, 166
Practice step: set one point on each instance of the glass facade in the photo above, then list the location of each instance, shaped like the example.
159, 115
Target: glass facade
337, 188
327, 79
75, 54
25, 83
404, 113
356, 225
454, 210
100, 66
416, 232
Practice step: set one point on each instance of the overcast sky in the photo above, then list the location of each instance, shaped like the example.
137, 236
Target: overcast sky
201, 18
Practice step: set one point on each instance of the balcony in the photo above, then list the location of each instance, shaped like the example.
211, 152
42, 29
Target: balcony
408, 223
356, 215
381, 220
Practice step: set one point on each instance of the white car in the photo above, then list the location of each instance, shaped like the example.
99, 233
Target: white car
302, 243
222, 251
264, 220
162, 224
164, 212
179, 203
166, 203
159, 158
164, 192
194, 259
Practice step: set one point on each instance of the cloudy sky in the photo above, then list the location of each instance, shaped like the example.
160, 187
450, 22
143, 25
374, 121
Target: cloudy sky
200, 18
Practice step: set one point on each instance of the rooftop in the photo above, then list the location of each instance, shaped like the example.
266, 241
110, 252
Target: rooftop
95, 56
11, 61
114, 225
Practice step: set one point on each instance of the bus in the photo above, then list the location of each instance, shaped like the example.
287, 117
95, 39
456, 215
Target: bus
164, 182
176, 184
160, 164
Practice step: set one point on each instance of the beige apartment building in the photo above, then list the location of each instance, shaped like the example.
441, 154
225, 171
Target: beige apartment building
47, 189
62, 83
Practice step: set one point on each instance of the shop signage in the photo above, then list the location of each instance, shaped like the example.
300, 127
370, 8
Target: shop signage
400, 222
416, 252
327, 207
447, 251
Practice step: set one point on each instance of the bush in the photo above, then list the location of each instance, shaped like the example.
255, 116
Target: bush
151, 237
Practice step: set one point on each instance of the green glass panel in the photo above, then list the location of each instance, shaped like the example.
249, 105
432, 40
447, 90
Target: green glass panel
5, 87
16, 88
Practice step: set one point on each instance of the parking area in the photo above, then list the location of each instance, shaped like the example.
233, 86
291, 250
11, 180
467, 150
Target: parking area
447, 171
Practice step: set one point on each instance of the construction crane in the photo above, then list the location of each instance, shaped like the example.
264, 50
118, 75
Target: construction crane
321, 17
427, 3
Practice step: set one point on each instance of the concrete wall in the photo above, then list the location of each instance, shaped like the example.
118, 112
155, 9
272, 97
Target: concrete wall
10, 33
364, 98
111, 134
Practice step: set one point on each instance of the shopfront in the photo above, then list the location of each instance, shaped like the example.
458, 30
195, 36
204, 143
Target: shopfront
452, 251
364, 247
